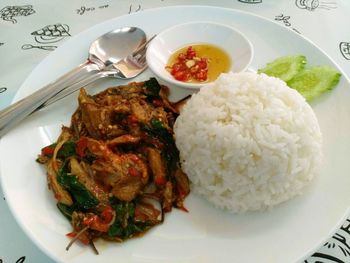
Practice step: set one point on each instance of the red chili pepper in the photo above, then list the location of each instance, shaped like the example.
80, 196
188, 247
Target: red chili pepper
202, 75
191, 53
71, 234
181, 57
180, 191
157, 103
178, 67
137, 212
81, 238
197, 69
160, 180
89, 220
134, 158
107, 214
100, 226
58, 196
48, 150
202, 64
95, 223
80, 147
133, 172
183, 209
181, 75
132, 119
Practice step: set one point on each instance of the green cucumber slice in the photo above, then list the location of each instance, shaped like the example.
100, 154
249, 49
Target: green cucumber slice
284, 68
315, 81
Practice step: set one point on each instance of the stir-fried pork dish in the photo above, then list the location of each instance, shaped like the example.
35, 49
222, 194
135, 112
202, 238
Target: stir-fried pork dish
115, 171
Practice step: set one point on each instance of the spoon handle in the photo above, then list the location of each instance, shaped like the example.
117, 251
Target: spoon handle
74, 87
16, 112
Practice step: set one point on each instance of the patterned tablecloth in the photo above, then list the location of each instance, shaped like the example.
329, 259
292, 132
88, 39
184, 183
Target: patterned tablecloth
30, 30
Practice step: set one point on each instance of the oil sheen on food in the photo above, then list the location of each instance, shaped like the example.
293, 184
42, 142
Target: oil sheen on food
218, 61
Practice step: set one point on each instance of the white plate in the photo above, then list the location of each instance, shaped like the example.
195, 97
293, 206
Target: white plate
205, 234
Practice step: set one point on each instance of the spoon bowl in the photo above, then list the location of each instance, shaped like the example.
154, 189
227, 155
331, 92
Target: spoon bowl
116, 45
106, 51
127, 68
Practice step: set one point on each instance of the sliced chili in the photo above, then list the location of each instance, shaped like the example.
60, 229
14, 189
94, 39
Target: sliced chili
188, 66
81, 145
48, 150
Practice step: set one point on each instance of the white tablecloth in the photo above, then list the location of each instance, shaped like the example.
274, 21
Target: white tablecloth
325, 22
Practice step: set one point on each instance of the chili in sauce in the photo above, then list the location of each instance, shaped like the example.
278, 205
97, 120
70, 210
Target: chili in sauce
198, 63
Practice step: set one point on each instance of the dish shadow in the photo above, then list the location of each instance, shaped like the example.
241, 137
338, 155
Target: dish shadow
215, 222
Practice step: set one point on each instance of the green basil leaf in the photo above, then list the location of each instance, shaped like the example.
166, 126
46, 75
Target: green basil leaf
157, 124
67, 150
82, 196
152, 87
170, 152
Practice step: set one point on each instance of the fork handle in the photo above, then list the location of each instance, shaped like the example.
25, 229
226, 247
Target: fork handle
74, 87
18, 111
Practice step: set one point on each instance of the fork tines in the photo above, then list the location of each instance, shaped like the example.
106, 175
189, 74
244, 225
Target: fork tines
138, 57
141, 49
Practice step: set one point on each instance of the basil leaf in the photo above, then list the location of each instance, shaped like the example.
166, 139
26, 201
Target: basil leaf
82, 196
152, 87
117, 230
124, 225
157, 124
67, 150
170, 152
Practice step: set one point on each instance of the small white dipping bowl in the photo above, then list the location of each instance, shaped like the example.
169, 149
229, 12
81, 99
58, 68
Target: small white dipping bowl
236, 45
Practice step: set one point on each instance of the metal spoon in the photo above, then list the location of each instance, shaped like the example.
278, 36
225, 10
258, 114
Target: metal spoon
128, 68
107, 50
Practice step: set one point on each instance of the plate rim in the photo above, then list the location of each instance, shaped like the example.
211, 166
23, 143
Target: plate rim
19, 96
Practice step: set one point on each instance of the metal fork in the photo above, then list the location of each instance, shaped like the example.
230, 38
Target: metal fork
128, 68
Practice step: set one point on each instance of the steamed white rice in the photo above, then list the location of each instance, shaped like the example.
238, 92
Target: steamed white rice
248, 142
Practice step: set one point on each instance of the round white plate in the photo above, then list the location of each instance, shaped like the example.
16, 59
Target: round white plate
205, 234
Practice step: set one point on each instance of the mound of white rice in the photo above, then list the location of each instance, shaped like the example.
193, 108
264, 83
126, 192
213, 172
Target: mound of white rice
248, 142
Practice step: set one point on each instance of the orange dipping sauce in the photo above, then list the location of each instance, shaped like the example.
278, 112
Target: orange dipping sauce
198, 63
